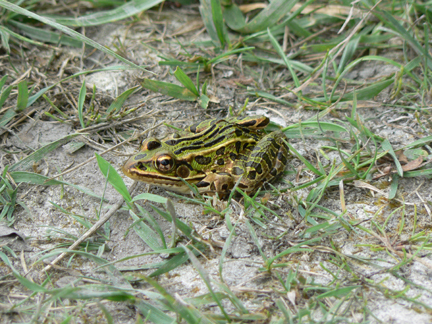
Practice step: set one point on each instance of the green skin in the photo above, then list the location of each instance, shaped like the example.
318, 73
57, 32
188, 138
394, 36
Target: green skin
213, 155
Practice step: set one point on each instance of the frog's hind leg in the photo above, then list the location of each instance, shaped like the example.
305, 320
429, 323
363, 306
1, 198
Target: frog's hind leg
266, 161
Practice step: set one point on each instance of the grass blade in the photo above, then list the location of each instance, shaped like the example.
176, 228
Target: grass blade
308, 164
388, 147
225, 250
153, 314
205, 277
169, 89
216, 11
38, 179
365, 93
46, 36
3, 81
185, 229
30, 284
256, 241
81, 99
393, 186
269, 96
348, 52
268, 17
4, 95
22, 96
234, 17
293, 249
187, 312
350, 66
41, 153
150, 219
186, 81
284, 57
126, 10
339, 292
173, 263
311, 124
203, 100
119, 101
4, 35
206, 15
420, 142
146, 233
113, 177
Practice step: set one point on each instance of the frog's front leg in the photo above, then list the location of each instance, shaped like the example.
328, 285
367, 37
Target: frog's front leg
266, 161
217, 182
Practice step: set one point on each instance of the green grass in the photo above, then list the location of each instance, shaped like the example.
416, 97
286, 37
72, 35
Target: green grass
298, 64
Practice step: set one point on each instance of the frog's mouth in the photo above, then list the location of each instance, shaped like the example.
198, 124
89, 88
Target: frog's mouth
140, 171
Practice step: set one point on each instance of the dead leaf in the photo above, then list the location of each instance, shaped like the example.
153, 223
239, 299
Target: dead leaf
291, 297
401, 157
251, 7
414, 164
214, 99
233, 83
187, 28
331, 10
362, 184
384, 172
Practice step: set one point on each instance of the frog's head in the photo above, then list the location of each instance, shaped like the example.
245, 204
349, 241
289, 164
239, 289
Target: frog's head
156, 164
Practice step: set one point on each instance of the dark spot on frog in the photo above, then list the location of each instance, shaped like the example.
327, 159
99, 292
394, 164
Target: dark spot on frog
202, 184
238, 146
141, 166
252, 175
203, 160
140, 156
220, 151
152, 145
220, 162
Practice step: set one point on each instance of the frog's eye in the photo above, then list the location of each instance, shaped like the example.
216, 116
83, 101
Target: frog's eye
150, 144
164, 163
